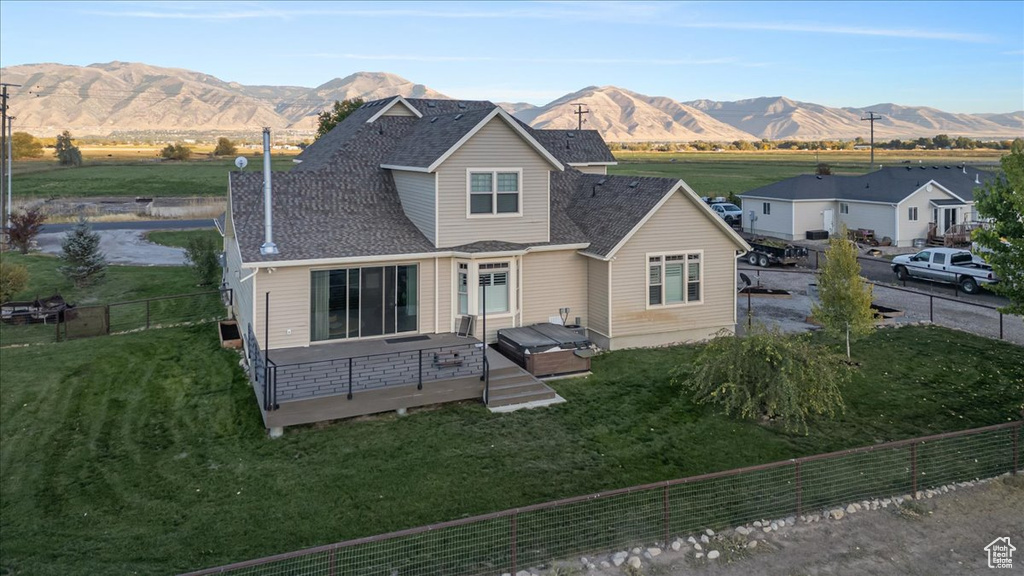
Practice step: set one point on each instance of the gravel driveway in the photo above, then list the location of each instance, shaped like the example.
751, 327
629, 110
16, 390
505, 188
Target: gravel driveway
790, 313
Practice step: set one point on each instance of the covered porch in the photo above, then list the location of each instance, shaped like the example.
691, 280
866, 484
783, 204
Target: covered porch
346, 379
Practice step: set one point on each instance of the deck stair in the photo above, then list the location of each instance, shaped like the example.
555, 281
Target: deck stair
512, 386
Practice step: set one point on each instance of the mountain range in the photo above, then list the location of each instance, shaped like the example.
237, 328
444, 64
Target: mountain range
122, 97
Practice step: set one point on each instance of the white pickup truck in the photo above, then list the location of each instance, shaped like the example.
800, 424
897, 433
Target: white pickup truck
948, 265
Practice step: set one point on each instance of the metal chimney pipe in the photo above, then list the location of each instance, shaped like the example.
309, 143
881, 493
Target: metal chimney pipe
268, 246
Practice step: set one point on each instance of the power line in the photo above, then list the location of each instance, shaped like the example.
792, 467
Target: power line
579, 113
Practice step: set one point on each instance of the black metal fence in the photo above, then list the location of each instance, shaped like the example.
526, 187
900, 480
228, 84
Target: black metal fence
20, 329
511, 540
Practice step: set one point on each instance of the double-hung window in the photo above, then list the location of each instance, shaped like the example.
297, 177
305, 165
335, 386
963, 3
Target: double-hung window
463, 288
844, 208
494, 192
673, 279
766, 208
912, 213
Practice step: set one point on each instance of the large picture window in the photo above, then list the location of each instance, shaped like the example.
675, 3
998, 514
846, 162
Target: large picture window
362, 302
673, 279
494, 192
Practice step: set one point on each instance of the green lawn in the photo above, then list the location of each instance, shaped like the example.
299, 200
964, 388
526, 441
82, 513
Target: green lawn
145, 452
134, 179
179, 238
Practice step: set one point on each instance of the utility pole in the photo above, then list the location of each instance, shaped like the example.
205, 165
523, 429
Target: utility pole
5, 147
10, 165
579, 115
871, 118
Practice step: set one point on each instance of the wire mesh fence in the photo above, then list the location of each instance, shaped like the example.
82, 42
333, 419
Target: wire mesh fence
505, 542
21, 329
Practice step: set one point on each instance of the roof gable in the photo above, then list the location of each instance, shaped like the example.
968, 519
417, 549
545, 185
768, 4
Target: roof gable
396, 101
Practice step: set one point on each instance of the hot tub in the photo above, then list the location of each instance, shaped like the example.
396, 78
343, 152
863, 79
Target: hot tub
546, 349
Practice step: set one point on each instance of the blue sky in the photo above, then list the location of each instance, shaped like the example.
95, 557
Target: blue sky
955, 56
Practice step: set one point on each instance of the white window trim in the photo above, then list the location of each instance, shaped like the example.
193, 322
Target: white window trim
474, 280
647, 279
913, 211
494, 180
766, 208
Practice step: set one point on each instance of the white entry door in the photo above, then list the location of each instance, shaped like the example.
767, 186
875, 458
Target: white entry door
828, 221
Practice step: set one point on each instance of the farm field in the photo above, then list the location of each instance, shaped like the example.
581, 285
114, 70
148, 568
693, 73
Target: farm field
44, 179
145, 452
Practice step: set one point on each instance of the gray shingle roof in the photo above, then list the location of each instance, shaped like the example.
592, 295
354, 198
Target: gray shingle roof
575, 146
605, 213
339, 203
888, 185
432, 136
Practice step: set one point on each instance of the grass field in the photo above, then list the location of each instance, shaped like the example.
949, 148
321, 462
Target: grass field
145, 452
44, 179
179, 238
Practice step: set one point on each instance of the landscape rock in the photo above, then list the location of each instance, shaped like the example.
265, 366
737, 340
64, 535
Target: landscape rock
605, 564
791, 521
752, 544
676, 546
704, 538
766, 529
698, 547
636, 550
634, 561
713, 554
709, 532
584, 561
654, 551
775, 525
742, 530
691, 540
757, 523
837, 514
618, 560
523, 573
850, 509
698, 555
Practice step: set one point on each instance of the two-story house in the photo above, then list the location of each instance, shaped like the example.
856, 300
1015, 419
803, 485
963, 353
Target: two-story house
396, 228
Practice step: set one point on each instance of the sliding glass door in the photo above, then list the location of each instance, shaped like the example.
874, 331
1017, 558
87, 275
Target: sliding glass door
363, 302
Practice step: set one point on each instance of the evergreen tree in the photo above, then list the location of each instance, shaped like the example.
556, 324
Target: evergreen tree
84, 264
845, 299
66, 152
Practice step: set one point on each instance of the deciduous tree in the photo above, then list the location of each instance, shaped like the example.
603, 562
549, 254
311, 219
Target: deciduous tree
844, 305
65, 150
25, 145
176, 152
224, 147
1002, 242
767, 375
24, 227
328, 119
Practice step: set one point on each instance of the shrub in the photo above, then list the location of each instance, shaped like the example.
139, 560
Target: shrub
13, 279
767, 375
201, 254
24, 227
84, 264
176, 152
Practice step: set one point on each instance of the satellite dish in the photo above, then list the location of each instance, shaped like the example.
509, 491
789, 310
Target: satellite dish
241, 162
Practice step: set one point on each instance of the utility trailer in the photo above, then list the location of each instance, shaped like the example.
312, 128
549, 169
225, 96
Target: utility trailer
765, 254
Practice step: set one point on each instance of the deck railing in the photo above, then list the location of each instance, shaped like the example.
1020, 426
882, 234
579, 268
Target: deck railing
351, 374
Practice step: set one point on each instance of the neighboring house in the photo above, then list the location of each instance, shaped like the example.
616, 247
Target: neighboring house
388, 222
902, 203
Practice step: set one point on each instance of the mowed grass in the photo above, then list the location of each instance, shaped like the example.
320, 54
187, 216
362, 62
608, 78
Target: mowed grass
180, 238
713, 178
146, 453
44, 179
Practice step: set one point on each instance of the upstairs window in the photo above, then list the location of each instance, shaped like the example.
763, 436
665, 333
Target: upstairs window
494, 192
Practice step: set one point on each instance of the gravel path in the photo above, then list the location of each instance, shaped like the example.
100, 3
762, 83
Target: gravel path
790, 313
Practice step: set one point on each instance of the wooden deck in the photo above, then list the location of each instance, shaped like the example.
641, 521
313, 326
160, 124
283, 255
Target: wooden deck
509, 384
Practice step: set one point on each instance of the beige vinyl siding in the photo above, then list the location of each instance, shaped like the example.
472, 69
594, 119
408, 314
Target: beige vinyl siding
553, 280
810, 216
678, 226
909, 230
495, 145
290, 301
241, 291
878, 217
416, 191
399, 109
778, 224
597, 296
592, 169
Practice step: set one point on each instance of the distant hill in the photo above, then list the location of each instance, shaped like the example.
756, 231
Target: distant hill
125, 97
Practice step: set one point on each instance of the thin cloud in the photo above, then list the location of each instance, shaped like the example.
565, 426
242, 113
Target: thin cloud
607, 61
815, 28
